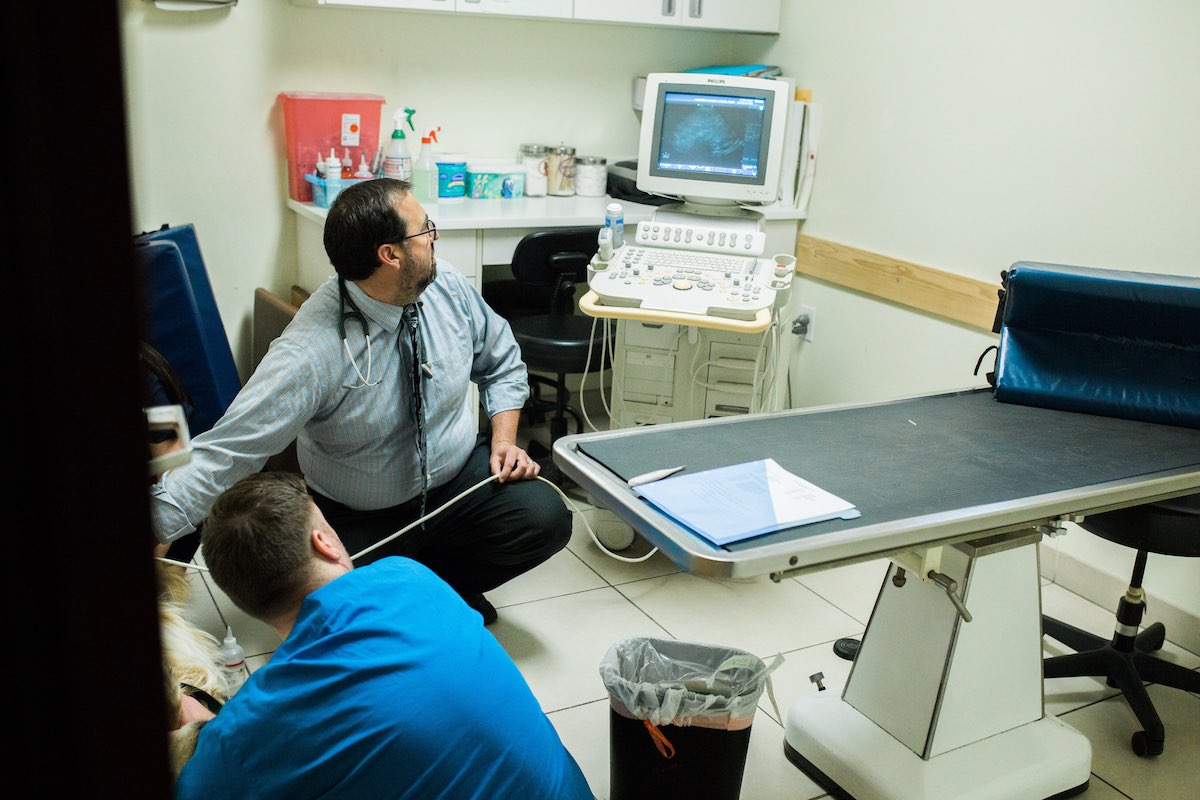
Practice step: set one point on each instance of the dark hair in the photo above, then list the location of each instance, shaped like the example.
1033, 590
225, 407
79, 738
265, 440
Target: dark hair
162, 386
256, 542
362, 218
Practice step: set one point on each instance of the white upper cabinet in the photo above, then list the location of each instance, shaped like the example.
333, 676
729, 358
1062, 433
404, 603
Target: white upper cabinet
754, 16
415, 5
735, 16
648, 12
745, 16
517, 8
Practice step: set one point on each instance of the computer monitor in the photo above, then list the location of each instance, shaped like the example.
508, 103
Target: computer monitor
713, 139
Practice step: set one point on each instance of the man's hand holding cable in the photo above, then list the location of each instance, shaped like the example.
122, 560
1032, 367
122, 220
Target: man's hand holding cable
508, 461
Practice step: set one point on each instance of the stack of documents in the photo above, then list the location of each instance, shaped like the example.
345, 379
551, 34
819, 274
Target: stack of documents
742, 501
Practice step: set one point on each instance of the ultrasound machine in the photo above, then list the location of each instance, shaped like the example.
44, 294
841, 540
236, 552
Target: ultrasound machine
699, 289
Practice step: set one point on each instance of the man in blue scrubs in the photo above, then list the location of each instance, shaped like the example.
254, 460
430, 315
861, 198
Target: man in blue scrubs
386, 684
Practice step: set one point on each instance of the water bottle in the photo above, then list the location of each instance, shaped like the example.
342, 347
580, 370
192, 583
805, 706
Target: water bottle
614, 219
233, 661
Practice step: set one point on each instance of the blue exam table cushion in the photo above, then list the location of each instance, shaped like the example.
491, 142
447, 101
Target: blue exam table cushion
1098, 341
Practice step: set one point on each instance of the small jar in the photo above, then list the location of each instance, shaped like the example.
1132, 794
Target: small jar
591, 176
560, 171
533, 159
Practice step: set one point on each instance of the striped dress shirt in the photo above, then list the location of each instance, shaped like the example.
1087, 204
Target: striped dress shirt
355, 445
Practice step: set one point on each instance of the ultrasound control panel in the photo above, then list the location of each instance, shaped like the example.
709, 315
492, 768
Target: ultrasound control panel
690, 269
700, 238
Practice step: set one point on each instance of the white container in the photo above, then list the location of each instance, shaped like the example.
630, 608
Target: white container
614, 219
591, 176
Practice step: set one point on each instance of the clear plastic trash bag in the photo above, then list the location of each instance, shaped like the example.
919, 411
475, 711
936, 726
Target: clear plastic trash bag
669, 682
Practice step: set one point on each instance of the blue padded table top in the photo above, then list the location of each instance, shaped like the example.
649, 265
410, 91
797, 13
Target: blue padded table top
911, 458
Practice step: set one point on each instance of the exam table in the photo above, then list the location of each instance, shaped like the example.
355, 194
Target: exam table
956, 490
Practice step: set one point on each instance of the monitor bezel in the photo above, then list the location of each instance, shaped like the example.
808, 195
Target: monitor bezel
702, 187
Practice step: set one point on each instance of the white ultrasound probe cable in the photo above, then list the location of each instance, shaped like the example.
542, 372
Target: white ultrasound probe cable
451, 502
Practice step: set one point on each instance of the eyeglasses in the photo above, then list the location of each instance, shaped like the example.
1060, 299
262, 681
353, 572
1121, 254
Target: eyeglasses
430, 228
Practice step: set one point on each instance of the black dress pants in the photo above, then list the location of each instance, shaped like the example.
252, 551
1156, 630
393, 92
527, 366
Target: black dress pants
490, 536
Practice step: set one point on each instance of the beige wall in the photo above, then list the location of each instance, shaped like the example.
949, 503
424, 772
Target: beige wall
206, 133
963, 136
967, 136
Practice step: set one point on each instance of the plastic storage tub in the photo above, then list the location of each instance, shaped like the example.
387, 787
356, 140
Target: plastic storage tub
320, 194
452, 176
316, 122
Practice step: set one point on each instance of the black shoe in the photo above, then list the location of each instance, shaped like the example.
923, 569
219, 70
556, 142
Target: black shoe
485, 608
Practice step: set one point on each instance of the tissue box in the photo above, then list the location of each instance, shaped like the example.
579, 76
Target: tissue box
493, 180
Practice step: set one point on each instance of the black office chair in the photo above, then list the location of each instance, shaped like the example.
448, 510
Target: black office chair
1170, 527
539, 304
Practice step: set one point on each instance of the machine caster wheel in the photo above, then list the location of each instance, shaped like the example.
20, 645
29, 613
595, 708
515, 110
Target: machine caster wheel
1144, 746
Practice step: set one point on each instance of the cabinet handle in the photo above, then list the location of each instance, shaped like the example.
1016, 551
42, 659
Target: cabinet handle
696, 9
668, 8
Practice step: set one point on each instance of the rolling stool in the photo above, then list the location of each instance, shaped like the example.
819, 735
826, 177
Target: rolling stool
546, 267
1170, 527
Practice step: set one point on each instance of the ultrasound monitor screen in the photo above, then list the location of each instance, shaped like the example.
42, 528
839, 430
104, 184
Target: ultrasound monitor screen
711, 136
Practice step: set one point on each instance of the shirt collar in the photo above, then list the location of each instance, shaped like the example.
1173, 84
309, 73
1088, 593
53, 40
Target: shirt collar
385, 315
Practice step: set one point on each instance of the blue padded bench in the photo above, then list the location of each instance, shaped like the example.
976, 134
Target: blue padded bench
183, 322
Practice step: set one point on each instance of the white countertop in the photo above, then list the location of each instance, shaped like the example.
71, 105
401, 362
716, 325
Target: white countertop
529, 212
522, 212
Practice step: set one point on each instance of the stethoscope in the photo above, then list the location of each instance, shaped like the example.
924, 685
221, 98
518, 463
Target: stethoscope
354, 313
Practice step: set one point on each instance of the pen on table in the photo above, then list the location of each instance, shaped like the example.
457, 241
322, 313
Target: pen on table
656, 475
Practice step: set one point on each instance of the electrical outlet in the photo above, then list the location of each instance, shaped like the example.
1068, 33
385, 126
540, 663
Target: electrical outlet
811, 313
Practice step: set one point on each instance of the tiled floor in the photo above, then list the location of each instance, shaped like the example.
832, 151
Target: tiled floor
558, 621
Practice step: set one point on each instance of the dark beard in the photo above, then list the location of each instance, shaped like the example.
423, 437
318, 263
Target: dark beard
424, 284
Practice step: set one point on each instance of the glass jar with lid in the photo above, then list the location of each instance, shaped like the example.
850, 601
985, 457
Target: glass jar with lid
533, 159
591, 176
560, 170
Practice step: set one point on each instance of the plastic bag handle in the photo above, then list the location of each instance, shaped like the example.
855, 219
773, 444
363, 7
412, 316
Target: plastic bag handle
665, 748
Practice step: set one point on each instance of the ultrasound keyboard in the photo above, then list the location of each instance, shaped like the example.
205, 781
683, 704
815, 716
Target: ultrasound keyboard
690, 269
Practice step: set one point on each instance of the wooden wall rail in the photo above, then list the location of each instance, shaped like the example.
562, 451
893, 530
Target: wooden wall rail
946, 294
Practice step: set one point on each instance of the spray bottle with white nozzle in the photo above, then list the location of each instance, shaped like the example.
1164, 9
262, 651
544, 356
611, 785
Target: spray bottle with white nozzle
397, 160
425, 171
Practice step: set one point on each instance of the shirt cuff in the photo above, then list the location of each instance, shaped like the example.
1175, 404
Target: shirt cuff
166, 517
505, 397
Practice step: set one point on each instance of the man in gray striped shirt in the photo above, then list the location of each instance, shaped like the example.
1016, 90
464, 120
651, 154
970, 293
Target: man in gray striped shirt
371, 380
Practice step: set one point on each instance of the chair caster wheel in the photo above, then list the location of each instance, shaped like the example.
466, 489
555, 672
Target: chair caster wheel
1151, 639
1144, 746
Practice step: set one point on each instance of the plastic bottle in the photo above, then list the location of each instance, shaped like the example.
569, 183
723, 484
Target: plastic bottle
233, 659
333, 178
347, 165
425, 171
397, 160
364, 169
614, 218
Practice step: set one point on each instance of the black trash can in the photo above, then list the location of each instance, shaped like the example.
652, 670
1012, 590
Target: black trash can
680, 717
